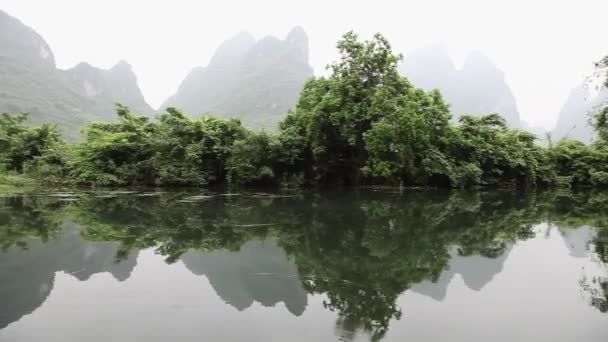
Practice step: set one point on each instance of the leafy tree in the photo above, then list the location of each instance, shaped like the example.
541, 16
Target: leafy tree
406, 145
21, 144
367, 124
362, 124
194, 152
334, 113
601, 124
23, 218
586, 165
487, 152
254, 160
175, 151
580, 164
116, 153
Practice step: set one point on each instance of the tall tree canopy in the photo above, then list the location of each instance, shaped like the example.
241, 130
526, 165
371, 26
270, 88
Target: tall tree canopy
365, 118
365, 123
21, 146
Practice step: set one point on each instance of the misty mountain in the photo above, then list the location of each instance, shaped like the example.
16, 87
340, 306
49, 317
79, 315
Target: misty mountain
573, 119
257, 81
539, 131
30, 82
106, 87
478, 88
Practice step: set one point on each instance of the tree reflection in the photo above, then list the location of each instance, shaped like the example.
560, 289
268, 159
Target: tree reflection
22, 218
364, 255
576, 210
360, 249
37, 241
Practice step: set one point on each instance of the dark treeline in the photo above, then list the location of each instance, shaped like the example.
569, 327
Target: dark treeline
362, 251
363, 124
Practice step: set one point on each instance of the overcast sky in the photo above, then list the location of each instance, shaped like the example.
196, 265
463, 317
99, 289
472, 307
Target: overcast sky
544, 47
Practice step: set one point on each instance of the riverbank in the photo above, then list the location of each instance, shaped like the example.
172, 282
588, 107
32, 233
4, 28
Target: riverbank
15, 183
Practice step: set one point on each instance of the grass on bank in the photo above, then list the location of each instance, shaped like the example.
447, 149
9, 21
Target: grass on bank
15, 183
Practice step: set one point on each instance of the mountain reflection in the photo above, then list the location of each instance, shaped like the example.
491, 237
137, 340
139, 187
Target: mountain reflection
259, 271
476, 272
37, 243
361, 250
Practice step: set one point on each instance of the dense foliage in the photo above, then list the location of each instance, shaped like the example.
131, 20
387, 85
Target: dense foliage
363, 124
38, 151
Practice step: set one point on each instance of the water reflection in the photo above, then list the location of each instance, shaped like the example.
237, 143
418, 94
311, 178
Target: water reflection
360, 250
260, 271
27, 270
476, 271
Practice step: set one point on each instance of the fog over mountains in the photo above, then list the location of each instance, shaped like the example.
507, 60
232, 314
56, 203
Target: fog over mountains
30, 82
573, 119
478, 88
257, 81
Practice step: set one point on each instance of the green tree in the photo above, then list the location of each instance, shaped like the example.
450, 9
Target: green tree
405, 146
24, 148
194, 151
117, 153
334, 113
487, 152
580, 164
254, 160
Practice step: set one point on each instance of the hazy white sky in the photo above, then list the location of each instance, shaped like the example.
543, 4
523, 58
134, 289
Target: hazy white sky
544, 47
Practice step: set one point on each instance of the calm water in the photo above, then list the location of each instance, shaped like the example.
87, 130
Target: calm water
350, 266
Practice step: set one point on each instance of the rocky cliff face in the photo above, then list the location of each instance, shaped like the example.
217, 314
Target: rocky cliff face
106, 87
257, 81
19, 42
30, 82
205, 87
478, 88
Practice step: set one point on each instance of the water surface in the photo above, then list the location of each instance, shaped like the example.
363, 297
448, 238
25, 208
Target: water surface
320, 266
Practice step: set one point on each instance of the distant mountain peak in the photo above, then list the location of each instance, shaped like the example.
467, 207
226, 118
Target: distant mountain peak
298, 38
433, 57
244, 36
476, 61
573, 118
21, 42
82, 66
435, 51
268, 40
232, 50
478, 57
117, 84
297, 34
257, 81
123, 72
122, 65
30, 82
478, 88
